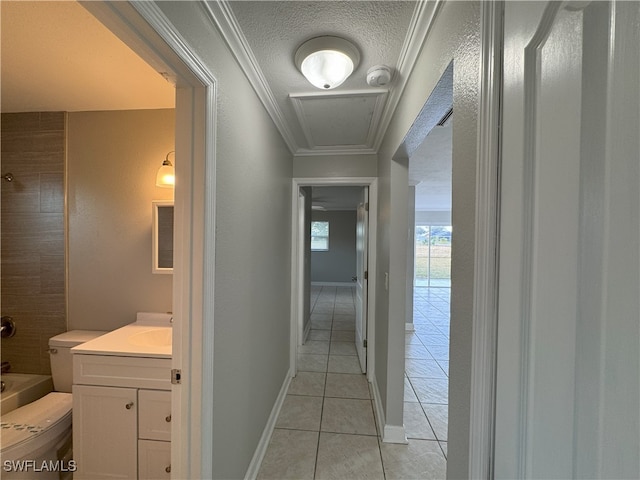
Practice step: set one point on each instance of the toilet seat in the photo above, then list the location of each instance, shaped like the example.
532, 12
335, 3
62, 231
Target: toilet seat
39, 422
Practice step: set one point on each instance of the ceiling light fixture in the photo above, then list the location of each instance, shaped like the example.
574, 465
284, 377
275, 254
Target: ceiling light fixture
327, 61
166, 176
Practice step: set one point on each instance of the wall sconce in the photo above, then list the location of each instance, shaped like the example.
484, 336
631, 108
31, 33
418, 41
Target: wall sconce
327, 61
166, 176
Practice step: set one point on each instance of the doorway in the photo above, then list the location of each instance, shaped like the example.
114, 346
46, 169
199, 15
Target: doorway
348, 205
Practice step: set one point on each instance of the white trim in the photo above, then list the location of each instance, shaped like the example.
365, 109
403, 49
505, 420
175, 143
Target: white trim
409, 327
377, 405
333, 284
485, 318
222, 16
394, 434
261, 449
423, 19
388, 433
372, 183
145, 29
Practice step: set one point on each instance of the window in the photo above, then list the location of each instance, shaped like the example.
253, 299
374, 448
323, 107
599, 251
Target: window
319, 236
433, 256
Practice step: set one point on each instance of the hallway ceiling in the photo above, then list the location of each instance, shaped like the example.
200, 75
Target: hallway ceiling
49, 63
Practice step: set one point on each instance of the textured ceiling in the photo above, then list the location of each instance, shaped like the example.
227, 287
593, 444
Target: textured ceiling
430, 168
57, 57
274, 31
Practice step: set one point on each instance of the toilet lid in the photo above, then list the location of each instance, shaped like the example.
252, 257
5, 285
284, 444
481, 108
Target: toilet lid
35, 418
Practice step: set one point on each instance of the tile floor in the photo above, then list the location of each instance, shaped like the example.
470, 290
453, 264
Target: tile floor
326, 428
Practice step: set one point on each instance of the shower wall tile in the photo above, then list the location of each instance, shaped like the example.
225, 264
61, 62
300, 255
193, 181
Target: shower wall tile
33, 236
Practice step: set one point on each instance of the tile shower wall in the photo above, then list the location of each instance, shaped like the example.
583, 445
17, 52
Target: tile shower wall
33, 243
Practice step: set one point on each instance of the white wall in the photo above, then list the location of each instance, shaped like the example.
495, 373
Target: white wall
455, 36
253, 252
112, 161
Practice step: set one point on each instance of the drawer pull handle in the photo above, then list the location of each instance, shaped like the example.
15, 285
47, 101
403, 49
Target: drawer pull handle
167, 418
129, 405
168, 469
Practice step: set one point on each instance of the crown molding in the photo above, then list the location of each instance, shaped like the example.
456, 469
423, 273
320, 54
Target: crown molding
422, 20
220, 14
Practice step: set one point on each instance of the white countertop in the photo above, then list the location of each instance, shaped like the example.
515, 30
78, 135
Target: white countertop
121, 342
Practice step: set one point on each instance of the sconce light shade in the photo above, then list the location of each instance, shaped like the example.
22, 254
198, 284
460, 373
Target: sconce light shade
166, 176
327, 61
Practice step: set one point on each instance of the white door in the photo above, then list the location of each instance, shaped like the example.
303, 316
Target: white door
568, 388
362, 239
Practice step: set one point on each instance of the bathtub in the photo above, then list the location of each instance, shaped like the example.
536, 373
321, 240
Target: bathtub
23, 388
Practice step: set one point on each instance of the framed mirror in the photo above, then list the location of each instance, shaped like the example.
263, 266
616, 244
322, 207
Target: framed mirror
162, 236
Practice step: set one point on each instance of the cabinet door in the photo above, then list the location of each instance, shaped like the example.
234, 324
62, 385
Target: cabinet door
154, 459
154, 417
105, 432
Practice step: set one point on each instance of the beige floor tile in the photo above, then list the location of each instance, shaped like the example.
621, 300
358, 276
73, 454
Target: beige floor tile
347, 415
308, 383
438, 416
291, 454
314, 347
344, 309
312, 363
322, 335
443, 445
423, 368
343, 325
343, 348
419, 460
343, 336
343, 364
409, 394
343, 385
431, 390
415, 422
300, 413
417, 351
348, 457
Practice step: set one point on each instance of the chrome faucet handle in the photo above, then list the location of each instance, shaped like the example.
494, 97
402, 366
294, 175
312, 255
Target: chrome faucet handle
7, 327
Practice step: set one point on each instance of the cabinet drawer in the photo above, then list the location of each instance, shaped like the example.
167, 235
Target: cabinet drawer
154, 460
154, 415
112, 371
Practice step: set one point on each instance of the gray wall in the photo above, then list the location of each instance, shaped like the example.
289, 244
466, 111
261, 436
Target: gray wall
253, 252
454, 36
112, 161
339, 263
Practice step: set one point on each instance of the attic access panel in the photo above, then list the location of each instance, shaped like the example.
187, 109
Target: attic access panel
347, 120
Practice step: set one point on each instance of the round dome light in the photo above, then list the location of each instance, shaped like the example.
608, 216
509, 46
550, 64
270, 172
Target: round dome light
327, 61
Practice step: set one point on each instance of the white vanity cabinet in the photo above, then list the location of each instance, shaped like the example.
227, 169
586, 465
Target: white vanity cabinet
121, 417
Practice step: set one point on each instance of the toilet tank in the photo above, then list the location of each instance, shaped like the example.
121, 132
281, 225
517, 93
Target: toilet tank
61, 357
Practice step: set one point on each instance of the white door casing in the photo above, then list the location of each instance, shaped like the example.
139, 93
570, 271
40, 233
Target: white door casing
568, 387
362, 256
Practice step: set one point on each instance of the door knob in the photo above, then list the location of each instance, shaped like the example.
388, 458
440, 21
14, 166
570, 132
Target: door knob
354, 279
167, 418
129, 405
168, 469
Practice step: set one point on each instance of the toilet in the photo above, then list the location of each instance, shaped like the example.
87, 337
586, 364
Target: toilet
36, 438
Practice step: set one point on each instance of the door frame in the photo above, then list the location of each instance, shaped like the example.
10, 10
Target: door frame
297, 289
144, 28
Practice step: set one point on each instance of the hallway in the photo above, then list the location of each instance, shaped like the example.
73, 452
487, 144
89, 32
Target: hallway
326, 428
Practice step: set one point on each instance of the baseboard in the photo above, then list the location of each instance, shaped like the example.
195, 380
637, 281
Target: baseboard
409, 327
261, 449
333, 284
389, 433
377, 404
305, 334
394, 434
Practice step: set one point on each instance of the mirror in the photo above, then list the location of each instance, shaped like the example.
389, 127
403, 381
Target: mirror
162, 237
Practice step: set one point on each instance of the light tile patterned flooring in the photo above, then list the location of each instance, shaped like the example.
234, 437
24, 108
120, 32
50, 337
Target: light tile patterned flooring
326, 428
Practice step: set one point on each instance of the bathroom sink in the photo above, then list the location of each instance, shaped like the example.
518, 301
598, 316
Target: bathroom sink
155, 337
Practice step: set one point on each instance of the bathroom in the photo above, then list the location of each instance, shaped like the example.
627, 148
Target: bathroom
77, 225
